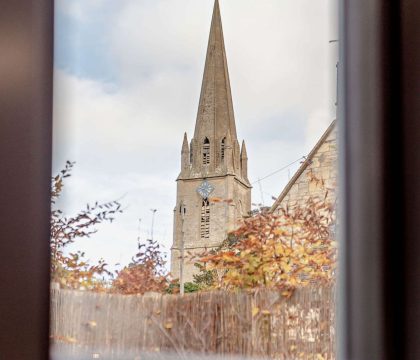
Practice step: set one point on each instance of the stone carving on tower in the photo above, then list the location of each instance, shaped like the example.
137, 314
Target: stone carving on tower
213, 165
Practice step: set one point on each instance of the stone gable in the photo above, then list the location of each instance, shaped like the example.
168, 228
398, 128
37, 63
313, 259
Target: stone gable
316, 177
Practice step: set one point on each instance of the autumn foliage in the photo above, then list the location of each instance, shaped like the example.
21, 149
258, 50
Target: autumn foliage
292, 249
71, 270
146, 272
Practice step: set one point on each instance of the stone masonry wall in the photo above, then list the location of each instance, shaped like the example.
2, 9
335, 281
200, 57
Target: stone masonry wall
321, 166
224, 216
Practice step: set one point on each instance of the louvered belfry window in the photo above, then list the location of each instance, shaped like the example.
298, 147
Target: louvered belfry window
206, 152
205, 219
222, 150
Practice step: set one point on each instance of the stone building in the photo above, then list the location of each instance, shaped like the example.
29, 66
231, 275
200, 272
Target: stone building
213, 190
316, 177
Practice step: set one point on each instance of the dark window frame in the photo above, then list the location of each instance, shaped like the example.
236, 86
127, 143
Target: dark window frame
379, 307
379, 304
26, 48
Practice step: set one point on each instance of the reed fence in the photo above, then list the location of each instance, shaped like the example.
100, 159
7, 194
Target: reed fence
261, 324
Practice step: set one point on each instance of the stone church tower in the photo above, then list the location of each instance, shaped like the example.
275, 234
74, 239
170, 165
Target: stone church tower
213, 190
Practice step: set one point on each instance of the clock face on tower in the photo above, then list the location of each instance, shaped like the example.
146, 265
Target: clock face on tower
205, 189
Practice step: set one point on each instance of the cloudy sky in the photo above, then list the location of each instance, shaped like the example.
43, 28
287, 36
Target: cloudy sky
127, 84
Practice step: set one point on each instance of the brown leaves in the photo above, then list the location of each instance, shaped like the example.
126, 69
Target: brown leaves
146, 272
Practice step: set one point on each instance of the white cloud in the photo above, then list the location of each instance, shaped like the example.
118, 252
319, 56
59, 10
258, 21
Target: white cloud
80, 10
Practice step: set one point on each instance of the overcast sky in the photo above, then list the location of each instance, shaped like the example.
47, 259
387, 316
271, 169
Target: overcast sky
127, 83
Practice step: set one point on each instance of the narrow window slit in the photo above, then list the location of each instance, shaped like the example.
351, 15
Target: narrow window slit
206, 152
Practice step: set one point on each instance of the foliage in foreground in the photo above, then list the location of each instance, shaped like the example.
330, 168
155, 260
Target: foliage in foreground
292, 249
285, 251
72, 270
146, 272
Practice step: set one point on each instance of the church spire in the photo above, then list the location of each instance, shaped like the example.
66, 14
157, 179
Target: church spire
185, 148
185, 155
244, 162
212, 165
215, 117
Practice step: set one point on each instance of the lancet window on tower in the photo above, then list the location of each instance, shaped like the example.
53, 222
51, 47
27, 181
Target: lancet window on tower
222, 149
205, 219
182, 209
206, 152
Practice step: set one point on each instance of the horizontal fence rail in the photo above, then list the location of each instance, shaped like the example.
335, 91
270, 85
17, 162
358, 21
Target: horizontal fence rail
261, 324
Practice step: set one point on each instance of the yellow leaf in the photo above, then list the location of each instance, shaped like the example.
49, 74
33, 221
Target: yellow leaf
92, 324
286, 267
266, 312
169, 325
279, 249
255, 311
319, 357
71, 340
286, 293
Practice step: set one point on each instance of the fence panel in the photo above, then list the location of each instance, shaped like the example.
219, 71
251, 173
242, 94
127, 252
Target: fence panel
260, 324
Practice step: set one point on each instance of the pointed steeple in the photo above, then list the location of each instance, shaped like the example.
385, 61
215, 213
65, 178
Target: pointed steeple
215, 117
213, 163
244, 154
185, 155
244, 162
185, 148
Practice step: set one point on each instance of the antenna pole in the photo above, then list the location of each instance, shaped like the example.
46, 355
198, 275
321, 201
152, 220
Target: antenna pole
181, 263
139, 231
153, 222
262, 193
337, 79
